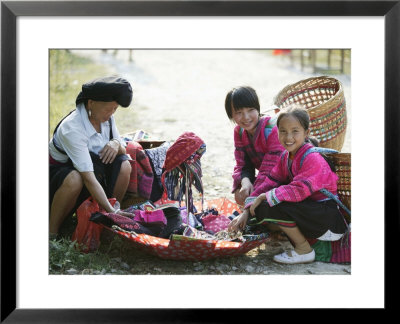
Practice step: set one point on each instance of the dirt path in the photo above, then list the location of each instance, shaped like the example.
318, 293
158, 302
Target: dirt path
184, 90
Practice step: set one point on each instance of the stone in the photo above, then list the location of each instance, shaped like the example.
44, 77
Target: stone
72, 271
249, 268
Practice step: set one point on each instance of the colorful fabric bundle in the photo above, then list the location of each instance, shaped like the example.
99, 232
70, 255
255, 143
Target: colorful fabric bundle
147, 205
168, 214
87, 233
182, 168
174, 221
150, 216
157, 157
191, 220
183, 148
332, 251
126, 223
141, 179
190, 232
196, 245
215, 223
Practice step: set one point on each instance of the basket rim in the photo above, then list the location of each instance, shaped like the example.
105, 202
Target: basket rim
340, 90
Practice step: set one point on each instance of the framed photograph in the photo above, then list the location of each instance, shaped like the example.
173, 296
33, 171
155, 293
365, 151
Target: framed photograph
30, 29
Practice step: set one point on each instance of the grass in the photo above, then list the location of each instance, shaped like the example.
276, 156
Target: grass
64, 257
112, 257
67, 74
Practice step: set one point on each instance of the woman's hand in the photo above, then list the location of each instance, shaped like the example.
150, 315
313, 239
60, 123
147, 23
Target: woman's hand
122, 213
118, 211
245, 190
256, 203
239, 222
109, 151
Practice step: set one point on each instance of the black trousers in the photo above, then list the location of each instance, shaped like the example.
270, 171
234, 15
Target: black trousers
106, 174
312, 218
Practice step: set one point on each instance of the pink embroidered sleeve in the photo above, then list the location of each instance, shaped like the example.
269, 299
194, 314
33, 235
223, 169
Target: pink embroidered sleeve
240, 159
314, 175
272, 180
275, 177
271, 158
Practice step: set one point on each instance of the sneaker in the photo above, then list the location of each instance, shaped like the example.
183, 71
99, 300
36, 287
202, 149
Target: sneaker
294, 258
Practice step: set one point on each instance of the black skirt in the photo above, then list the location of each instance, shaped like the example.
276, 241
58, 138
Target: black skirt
311, 217
106, 174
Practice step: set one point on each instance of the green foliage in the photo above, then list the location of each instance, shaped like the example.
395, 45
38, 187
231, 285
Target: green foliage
67, 74
66, 258
64, 255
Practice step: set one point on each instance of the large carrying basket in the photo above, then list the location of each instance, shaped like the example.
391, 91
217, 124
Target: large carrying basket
324, 99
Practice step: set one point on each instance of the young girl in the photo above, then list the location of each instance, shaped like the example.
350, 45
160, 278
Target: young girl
289, 198
256, 141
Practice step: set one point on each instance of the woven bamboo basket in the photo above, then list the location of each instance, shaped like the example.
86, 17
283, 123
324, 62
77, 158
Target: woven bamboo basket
342, 163
323, 97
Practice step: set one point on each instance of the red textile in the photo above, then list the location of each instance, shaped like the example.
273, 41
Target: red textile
88, 233
341, 252
185, 145
141, 179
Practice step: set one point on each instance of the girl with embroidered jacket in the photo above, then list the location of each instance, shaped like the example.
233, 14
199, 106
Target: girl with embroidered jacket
289, 199
256, 141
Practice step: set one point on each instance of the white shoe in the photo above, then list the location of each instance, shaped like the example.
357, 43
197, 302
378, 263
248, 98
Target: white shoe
294, 258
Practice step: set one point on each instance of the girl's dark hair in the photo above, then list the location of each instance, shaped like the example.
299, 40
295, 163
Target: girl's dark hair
297, 111
241, 97
301, 114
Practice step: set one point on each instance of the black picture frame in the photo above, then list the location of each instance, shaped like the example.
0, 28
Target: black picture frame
11, 10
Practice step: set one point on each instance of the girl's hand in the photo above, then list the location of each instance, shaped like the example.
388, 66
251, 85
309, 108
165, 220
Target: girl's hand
239, 222
246, 189
256, 203
109, 151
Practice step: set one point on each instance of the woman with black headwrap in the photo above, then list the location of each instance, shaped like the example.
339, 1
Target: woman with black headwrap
87, 157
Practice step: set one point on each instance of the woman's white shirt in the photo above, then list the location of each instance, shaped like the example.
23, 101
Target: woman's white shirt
76, 136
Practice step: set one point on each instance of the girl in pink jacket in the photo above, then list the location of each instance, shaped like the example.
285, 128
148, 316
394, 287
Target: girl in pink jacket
289, 199
256, 141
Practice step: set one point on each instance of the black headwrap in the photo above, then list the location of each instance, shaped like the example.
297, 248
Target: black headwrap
107, 89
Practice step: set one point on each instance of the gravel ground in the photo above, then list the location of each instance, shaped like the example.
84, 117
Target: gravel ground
184, 90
